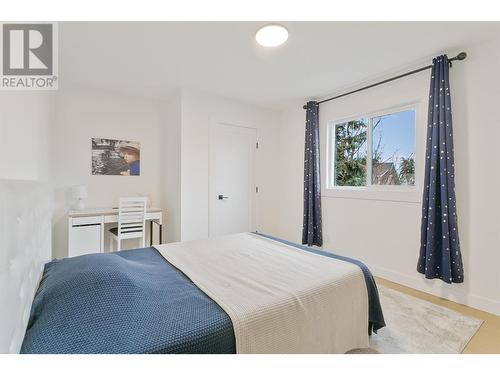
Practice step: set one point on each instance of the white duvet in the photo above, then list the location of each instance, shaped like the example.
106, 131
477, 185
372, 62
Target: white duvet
280, 299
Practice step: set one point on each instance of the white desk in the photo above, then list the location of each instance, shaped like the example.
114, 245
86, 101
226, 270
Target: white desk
86, 228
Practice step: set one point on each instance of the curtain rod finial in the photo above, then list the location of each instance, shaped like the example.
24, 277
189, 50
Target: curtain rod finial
304, 107
461, 56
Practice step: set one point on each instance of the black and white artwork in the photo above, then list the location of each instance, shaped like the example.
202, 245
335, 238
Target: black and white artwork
115, 157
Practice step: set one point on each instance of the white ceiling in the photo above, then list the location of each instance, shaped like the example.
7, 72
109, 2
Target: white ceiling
319, 58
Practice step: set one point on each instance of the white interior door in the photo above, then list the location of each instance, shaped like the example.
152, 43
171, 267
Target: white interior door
232, 179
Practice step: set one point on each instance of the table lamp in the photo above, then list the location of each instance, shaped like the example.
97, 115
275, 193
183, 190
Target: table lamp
79, 193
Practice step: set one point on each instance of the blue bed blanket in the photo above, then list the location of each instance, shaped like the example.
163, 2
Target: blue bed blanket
134, 301
130, 301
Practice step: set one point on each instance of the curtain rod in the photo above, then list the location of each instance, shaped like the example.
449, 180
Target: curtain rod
459, 57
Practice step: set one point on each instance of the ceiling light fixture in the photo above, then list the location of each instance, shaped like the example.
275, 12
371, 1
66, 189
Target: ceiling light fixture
271, 35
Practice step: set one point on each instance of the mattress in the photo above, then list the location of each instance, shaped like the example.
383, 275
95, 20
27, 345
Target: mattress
135, 301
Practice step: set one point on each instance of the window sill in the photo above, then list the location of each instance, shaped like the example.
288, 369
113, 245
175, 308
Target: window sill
408, 195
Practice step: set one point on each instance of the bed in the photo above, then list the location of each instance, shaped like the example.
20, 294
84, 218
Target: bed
177, 298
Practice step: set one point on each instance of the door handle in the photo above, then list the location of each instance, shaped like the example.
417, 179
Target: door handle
221, 197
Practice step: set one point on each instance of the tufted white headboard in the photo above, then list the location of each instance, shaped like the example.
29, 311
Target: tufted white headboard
25, 241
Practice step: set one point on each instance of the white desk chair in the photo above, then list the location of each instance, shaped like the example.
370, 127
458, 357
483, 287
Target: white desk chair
131, 221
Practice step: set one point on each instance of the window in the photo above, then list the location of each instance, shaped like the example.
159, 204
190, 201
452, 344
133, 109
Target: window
370, 151
351, 149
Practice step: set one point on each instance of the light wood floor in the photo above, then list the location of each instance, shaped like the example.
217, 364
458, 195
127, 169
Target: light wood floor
485, 341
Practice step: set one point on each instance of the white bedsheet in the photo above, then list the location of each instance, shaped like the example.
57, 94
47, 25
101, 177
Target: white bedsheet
280, 299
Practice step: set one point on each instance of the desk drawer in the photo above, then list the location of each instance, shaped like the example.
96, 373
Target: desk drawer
84, 239
76, 221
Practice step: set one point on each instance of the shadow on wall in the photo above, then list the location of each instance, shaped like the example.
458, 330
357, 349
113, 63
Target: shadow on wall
60, 222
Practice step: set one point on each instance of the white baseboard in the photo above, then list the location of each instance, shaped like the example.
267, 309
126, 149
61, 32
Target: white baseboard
439, 289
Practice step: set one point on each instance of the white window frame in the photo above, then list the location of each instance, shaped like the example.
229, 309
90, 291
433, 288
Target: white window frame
409, 193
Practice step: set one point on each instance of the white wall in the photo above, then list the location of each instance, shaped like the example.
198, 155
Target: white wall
24, 136
385, 233
25, 207
171, 189
174, 138
82, 114
198, 110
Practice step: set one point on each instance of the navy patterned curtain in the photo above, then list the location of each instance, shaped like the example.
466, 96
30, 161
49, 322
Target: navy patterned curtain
439, 245
311, 229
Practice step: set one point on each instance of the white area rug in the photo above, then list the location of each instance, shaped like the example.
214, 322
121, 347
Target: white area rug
417, 326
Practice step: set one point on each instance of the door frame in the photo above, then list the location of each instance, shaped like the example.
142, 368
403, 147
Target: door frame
213, 123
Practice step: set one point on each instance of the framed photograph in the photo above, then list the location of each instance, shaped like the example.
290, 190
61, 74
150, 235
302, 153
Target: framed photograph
115, 157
